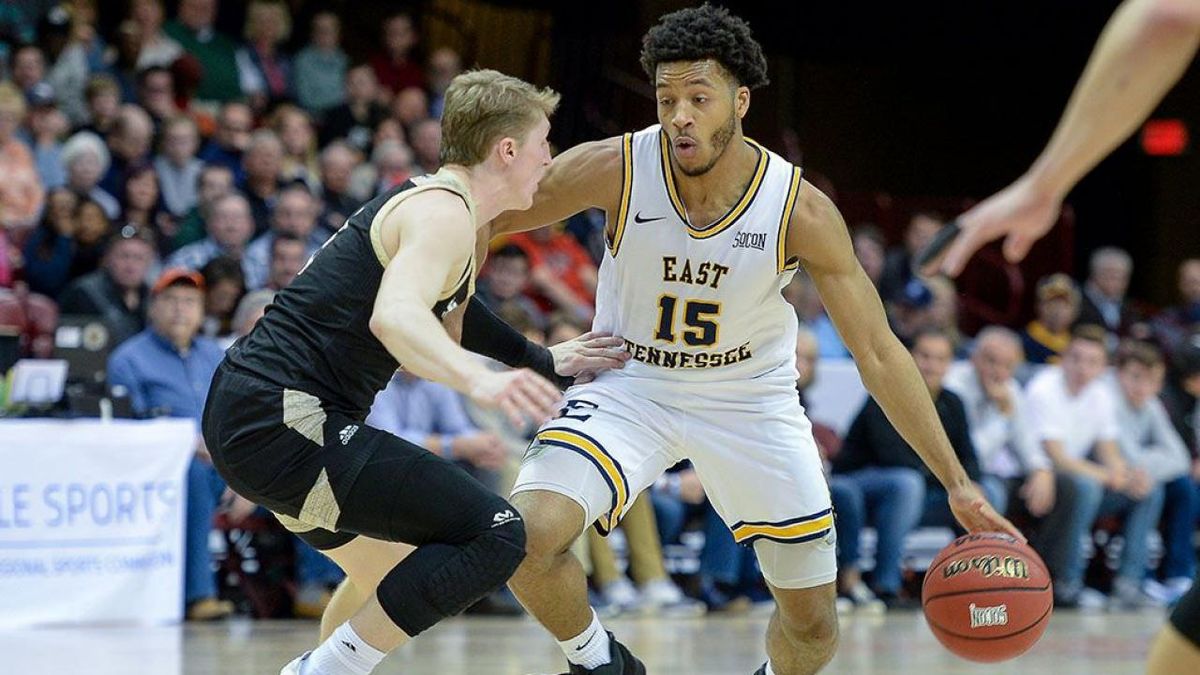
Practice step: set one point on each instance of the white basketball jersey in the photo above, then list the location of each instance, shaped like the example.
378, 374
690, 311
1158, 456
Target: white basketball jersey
700, 310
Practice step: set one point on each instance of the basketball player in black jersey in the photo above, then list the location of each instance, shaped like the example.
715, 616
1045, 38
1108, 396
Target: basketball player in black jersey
419, 539
1141, 54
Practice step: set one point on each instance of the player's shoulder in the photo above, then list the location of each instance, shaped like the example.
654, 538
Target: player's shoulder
601, 156
813, 207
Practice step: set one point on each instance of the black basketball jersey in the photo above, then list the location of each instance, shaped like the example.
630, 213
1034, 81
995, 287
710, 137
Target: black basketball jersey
315, 336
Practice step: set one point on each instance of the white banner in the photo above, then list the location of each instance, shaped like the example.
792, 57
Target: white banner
91, 520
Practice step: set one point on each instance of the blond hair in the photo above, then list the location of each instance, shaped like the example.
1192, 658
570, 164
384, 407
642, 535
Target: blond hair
483, 106
12, 100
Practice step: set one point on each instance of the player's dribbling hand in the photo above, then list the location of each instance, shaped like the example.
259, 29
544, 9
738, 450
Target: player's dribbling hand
589, 354
1019, 212
519, 394
975, 514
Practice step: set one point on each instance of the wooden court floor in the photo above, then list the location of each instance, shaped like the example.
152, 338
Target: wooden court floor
1075, 643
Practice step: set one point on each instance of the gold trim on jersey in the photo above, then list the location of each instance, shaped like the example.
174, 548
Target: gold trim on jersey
784, 221
589, 448
734, 213
442, 180
626, 191
805, 528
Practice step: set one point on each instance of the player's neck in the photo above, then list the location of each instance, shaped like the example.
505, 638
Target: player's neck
487, 191
724, 183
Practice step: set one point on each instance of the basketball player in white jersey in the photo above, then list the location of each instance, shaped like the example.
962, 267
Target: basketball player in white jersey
1143, 51
705, 227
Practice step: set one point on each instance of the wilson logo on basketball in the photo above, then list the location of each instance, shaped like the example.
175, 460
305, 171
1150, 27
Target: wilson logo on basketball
982, 617
988, 566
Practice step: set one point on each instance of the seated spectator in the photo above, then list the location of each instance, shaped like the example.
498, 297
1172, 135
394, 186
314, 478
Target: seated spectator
356, 118
561, 272
1046, 337
229, 229
1075, 418
225, 284
391, 165
337, 164
195, 29
142, 205
263, 163
21, 192
1104, 302
295, 130
1174, 324
178, 167
394, 66
167, 369
92, 229
46, 126
897, 269
320, 68
943, 313
50, 248
295, 215
1010, 459
504, 280
889, 473
250, 309
913, 310
264, 69
871, 250
1150, 444
158, 49
425, 139
156, 93
86, 159
444, 65
70, 52
102, 97
117, 292
235, 123
288, 255
27, 66
215, 181
129, 146
410, 106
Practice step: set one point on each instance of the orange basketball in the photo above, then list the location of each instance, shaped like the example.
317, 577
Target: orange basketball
987, 597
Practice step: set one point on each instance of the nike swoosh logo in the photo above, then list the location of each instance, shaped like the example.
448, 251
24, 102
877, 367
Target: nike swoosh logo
584, 645
352, 647
637, 218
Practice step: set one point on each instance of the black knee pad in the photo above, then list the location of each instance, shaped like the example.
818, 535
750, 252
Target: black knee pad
1186, 617
441, 580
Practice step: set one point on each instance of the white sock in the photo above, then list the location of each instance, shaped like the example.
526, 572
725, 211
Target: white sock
344, 653
770, 670
590, 648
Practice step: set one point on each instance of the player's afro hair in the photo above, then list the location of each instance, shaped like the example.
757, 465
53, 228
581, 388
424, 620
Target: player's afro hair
706, 32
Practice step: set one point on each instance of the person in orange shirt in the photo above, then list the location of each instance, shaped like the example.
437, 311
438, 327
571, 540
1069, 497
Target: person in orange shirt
562, 273
21, 191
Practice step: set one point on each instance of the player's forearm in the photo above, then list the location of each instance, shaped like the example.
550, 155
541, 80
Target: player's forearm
1142, 52
414, 337
889, 374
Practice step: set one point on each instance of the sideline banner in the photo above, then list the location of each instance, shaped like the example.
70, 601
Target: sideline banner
91, 520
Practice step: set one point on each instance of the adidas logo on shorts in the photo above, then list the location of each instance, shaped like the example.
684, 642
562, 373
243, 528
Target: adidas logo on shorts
505, 516
348, 433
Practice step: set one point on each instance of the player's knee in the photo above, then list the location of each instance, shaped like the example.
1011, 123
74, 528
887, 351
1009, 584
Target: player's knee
508, 547
549, 527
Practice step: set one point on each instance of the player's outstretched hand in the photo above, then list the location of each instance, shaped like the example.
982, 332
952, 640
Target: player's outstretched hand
520, 394
1020, 212
589, 354
977, 515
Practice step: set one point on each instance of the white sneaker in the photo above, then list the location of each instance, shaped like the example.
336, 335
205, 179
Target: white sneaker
661, 596
1159, 592
1091, 599
296, 665
623, 595
1177, 587
865, 601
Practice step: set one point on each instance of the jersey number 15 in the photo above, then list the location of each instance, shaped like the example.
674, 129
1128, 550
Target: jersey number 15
698, 315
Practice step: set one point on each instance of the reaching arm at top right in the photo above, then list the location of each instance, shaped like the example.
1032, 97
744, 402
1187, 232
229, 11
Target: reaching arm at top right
1141, 54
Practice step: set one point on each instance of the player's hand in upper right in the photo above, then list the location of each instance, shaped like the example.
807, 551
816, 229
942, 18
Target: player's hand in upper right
1021, 212
520, 394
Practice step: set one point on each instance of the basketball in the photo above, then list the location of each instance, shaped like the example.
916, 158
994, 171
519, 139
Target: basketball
987, 597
